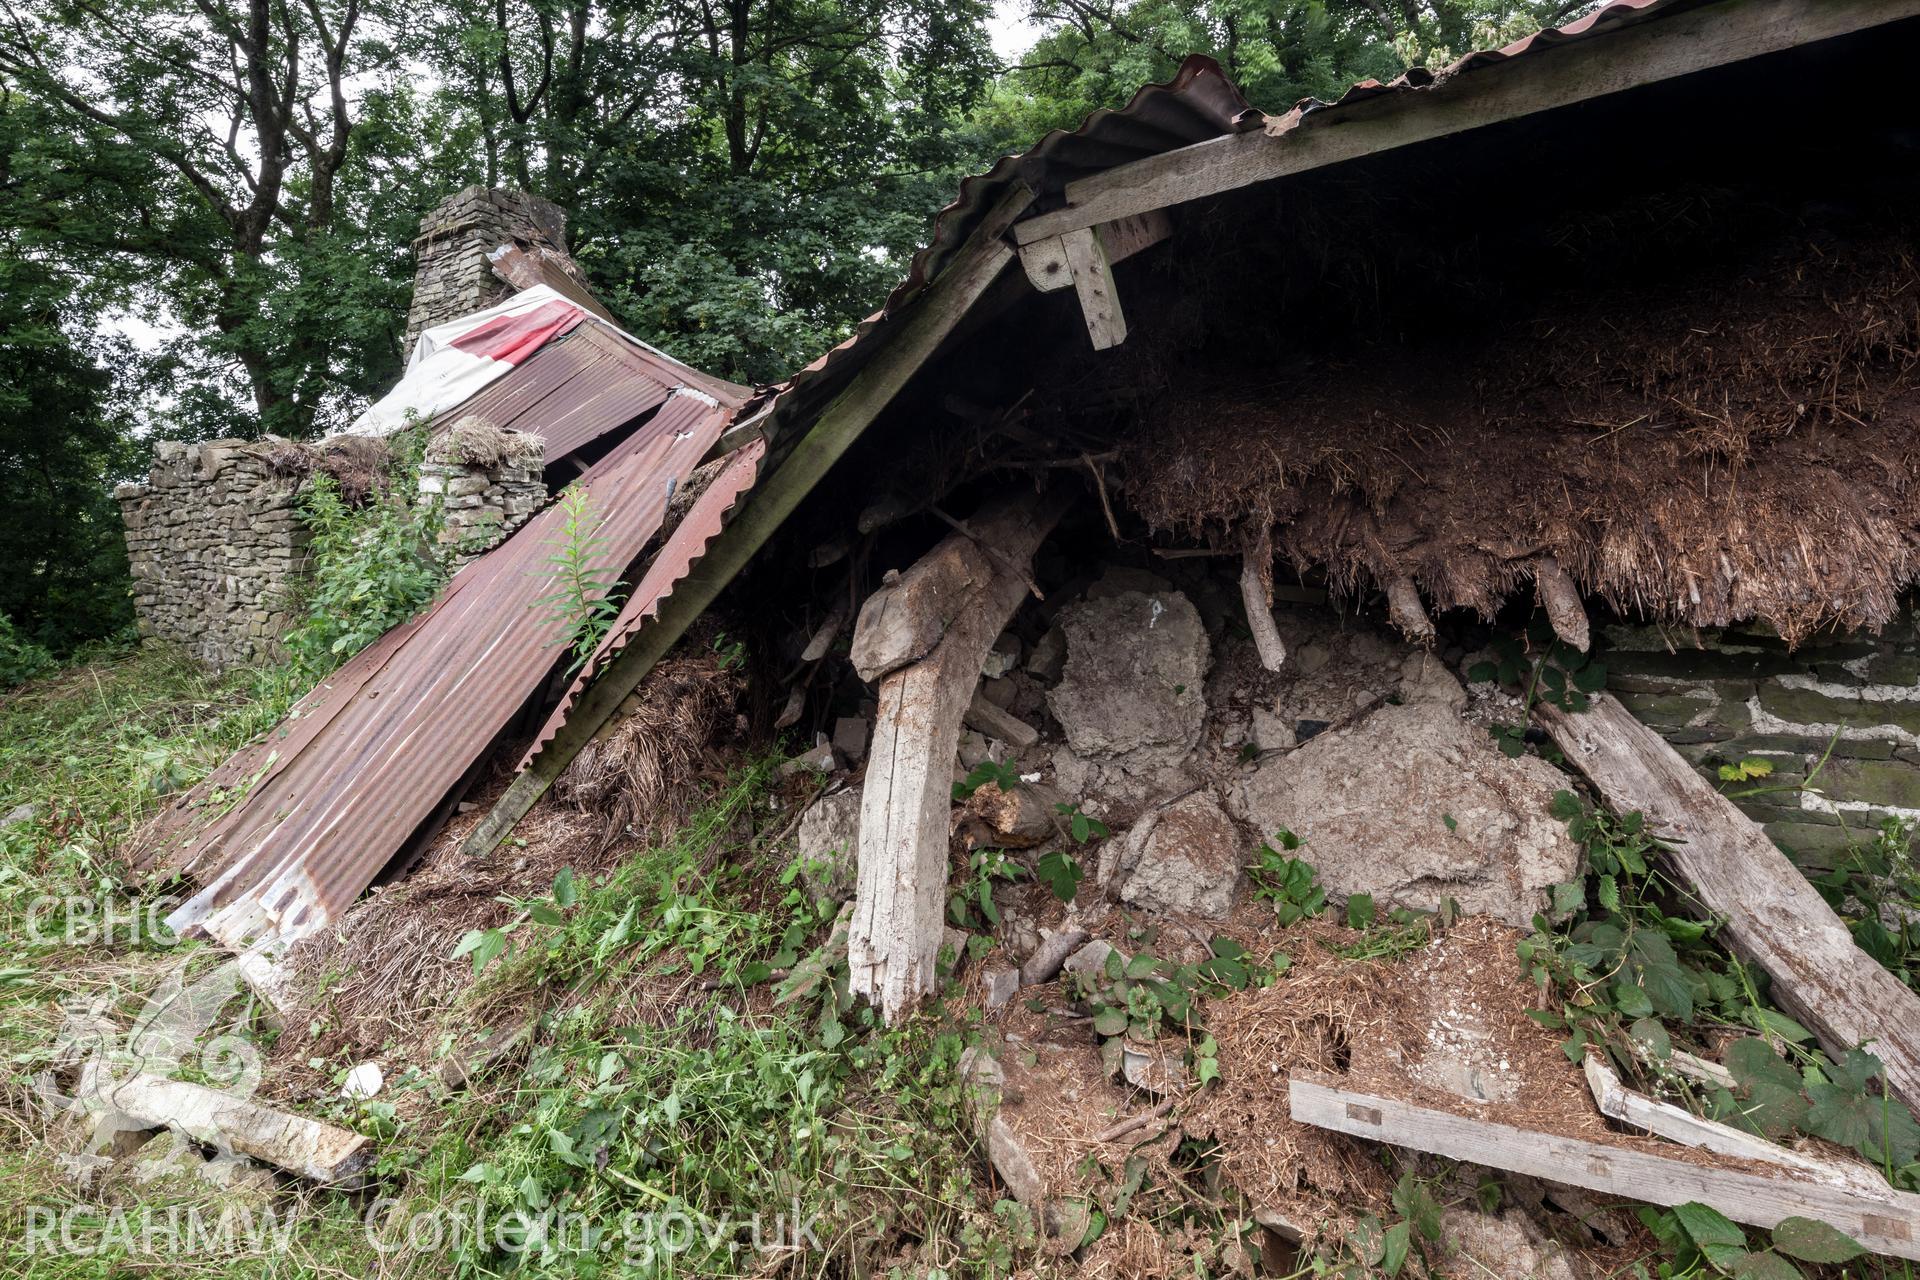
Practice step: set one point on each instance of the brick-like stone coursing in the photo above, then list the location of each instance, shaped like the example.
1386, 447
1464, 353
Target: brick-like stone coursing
218, 549
1744, 696
452, 274
481, 505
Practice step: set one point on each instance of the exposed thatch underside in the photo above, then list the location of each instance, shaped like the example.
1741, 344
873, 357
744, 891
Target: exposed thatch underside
1739, 445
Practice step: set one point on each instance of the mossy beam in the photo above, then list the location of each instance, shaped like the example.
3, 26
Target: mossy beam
928, 322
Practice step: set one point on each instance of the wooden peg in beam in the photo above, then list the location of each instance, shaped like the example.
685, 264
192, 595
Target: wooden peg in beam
1093, 281
1045, 261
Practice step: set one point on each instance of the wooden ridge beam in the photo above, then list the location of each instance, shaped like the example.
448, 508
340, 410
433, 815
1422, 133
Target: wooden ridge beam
1608, 62
930, 318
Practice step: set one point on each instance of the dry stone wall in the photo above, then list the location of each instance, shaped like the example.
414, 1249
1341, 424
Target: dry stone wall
482, 505
1742, 695
218, 550
215, 547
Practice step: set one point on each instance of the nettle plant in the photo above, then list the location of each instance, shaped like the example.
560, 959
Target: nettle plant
972, 907
1134, 999
1701, 1240
1288, 882
371, 566
1630, 975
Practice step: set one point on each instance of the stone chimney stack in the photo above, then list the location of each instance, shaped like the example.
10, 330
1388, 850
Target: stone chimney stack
453, 276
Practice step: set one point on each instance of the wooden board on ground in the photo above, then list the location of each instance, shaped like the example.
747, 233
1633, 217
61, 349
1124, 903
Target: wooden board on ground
324, 1153
1617, 1102
1774, 918
1886, 1223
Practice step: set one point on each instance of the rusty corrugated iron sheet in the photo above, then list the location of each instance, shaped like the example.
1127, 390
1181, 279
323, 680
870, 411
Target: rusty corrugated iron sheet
579, 387
290, 831
699, 526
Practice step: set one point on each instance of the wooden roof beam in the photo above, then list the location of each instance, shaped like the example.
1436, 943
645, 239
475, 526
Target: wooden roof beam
1608, 62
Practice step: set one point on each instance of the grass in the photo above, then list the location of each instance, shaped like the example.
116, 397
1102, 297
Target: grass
677, 1108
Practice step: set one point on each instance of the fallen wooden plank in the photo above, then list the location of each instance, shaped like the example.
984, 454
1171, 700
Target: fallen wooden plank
1886, 1222
1607, 62
1774, 918
900, 899
931, 317
323, 1153
1676, 1124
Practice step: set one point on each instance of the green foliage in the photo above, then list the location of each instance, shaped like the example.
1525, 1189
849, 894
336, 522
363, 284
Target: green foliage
1632, 975
1539, 666
1700, 1238
1060, 872
62, 447
1135, 999
1277, 51
1081, 827
584, 600
1875, 886
1289, 883
972, 907
708, 1105
20, 658
1000, 775
371, 567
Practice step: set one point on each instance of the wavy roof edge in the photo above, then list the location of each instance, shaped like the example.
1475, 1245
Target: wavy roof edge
1199, 103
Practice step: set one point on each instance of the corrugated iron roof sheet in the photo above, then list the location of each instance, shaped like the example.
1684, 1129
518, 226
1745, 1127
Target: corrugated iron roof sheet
303, 821
689, 540
582, 385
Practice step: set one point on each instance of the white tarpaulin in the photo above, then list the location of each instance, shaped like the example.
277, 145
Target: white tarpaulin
453, 361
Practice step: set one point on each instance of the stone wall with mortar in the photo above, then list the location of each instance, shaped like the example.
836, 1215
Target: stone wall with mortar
1740, 694
453, 276
215, 548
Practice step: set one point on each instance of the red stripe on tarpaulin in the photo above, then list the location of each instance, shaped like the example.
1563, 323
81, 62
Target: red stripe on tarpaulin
369, 757
688, 543
511, 339
576, 390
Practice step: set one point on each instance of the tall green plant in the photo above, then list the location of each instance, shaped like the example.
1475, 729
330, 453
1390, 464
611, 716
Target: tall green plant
372, 567
584, 601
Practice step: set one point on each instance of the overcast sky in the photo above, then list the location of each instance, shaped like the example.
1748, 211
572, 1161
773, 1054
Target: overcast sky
1008, 26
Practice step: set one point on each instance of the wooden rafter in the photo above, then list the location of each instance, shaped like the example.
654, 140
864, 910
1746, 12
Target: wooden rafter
1608, 62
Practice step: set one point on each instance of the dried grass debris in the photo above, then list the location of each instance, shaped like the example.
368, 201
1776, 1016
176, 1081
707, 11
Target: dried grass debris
475, 442
639, 777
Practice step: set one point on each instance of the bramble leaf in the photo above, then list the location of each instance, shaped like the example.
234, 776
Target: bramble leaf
1811, 1240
